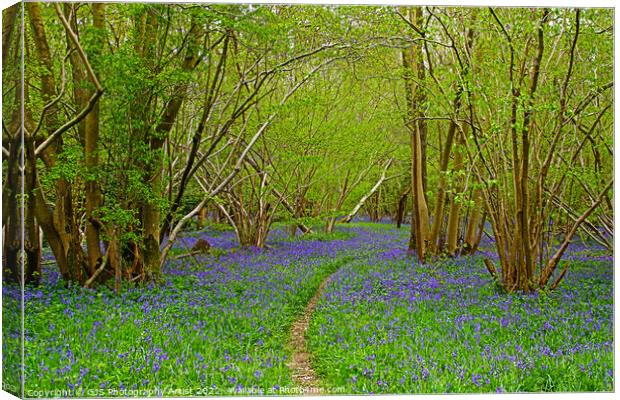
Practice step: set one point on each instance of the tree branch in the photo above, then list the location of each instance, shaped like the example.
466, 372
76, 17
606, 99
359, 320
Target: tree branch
359, 205
93, 99
239, 163
553, 262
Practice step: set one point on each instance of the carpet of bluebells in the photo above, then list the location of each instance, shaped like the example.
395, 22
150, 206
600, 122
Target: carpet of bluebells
389, 325
219, 324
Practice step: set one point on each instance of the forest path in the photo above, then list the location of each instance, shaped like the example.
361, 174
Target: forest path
299, 363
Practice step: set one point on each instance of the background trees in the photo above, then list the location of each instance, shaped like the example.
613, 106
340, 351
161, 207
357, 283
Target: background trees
141, 118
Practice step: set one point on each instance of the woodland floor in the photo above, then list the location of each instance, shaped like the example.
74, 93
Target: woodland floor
341, 313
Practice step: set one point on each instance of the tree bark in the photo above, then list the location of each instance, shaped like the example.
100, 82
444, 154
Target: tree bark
414, 67
455, 205
443, 169
12, 215
402, 205
471, 243
93, 197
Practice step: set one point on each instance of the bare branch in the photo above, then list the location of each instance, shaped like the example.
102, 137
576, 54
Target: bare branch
411, 24
79, 48
240, 161
98, 271
553, 262
359, 205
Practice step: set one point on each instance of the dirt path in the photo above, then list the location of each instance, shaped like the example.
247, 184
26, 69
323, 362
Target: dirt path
299, 364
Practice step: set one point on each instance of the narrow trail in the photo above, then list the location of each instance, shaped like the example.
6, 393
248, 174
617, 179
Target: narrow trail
299, 363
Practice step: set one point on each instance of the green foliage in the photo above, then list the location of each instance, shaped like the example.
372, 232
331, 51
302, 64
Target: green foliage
69, 166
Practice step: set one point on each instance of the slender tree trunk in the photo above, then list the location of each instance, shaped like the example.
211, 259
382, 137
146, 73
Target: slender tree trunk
402, 205
455, 205
12, 215
114, 258
202, 217
330, 224
93, 198
32, 244
11, 190
414, 67
443, 169
151, 213
470, 242
420, 223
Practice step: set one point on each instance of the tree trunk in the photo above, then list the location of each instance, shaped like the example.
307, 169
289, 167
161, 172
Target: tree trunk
414, 67
93, 198
402, 205
32, 244
470, 242
202, 217
12, 215
330, 224
443, 169
151, 209
455, 205
420, 223
114, 258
